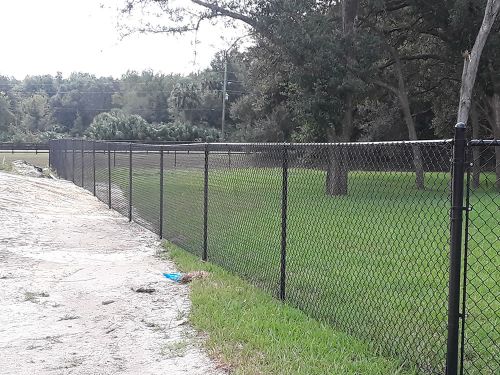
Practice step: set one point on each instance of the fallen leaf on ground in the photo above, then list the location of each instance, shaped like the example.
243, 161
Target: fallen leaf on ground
190, 276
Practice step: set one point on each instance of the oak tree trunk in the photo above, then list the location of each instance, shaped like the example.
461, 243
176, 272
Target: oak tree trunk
418, 161
337, 171
401, 92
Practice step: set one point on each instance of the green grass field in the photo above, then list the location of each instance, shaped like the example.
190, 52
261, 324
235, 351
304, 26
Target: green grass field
372, 264
249, 332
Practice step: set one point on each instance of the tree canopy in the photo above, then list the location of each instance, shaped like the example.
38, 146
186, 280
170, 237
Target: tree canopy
317, 70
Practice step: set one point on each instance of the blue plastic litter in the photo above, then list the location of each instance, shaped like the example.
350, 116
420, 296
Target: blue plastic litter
176, 276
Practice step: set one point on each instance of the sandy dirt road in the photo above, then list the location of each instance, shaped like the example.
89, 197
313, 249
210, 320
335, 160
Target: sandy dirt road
69, 268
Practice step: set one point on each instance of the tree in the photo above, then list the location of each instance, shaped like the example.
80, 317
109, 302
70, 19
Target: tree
117, 125
36, 114
187, 133
145, 94
42, 106
6, 117
79, 99
471, 65
471, 62
276, 22
185, 101
213, 86
453, 24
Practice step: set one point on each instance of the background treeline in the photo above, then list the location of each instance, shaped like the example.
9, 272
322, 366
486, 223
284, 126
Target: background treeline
317, 71
144, 106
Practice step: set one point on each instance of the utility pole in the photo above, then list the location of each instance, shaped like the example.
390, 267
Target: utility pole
224, 94
224, 90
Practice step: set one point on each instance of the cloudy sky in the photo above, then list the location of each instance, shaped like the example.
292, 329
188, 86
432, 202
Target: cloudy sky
44, 37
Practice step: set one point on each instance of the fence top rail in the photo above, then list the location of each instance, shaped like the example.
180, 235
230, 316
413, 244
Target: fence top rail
23, 146
298, 146
484, 142
309, 144
262, 146
147, 142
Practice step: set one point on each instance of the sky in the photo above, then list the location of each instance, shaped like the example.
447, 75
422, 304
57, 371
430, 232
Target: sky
50, 36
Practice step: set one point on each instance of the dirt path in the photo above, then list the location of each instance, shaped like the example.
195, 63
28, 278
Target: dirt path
68, 267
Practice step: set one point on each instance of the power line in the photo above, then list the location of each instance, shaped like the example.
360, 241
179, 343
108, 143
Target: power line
73, 109
117, 81
136, 92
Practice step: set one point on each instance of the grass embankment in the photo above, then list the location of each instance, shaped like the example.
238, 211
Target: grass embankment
253, 333
373, 263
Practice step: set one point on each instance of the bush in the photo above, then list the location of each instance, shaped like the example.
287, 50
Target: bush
117, 125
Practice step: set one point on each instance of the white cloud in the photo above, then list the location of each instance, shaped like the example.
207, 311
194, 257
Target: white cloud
43, 37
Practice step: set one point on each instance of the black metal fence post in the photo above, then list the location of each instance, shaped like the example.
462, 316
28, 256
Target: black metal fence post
130, 182
466, 245
109, 175
284, 206
83, 164
456, 219
205, 208
93, 165
51, 147
65, 162
73, 161
161, 193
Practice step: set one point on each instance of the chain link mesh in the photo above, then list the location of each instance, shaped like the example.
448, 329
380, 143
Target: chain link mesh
101, 171
146, 187
366, 244
482, 318
183, 196
119, 162
244, 210
67, 171
88, 175
370, 256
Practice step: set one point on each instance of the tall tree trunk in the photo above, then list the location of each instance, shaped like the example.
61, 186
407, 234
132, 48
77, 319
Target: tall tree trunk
476, 152
410, 123
412, 135
404, 102
337, 168
337, 171
471, 61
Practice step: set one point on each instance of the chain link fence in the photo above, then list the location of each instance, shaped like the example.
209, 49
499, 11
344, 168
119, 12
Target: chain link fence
481, 291
355, 234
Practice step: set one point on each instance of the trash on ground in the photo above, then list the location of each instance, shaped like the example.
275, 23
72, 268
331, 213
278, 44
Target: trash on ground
144, 290
176, 276
184, 278
108, 302
68, 317
111, 329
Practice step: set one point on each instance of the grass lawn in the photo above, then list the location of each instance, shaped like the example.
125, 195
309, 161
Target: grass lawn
372, 264
253, 333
